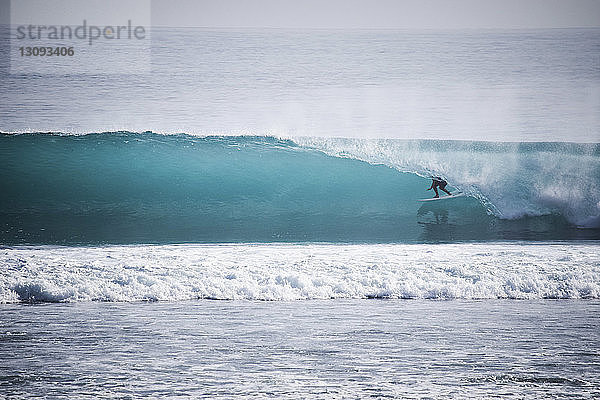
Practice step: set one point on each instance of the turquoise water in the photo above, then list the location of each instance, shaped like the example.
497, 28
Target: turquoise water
126, 187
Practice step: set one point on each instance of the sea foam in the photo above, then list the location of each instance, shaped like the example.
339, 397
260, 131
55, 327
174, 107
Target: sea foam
299, 272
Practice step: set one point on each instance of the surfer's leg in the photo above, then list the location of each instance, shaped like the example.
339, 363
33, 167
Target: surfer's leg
443, 187
436, 192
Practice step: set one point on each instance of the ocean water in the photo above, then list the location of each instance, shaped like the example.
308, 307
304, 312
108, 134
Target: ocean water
500, 349
517, 85
243, 220
319, 321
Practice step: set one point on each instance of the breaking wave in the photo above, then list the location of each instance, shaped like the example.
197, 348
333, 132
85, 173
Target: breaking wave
127, 188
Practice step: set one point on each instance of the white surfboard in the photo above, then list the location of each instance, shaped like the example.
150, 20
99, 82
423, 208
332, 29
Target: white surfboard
443, 197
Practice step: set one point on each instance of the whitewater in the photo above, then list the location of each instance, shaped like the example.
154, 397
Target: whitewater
285, 272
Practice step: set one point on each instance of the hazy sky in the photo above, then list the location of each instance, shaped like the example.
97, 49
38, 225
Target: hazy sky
370, 14
386, 14
72, 12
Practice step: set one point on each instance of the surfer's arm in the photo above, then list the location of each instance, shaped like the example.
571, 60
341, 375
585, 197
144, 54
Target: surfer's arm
431, 187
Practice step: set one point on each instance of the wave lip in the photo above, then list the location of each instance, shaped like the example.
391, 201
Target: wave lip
279, 272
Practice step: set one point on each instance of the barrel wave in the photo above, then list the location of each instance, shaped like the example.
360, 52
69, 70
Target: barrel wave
124, 187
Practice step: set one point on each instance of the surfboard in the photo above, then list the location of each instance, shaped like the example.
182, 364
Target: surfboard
443, 197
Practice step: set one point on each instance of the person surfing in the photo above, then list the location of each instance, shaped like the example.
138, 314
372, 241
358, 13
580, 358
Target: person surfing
436, 183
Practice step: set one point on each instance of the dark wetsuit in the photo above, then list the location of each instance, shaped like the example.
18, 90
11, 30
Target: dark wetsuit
438, 182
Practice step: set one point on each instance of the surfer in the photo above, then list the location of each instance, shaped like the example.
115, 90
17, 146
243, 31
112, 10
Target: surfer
436, 183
